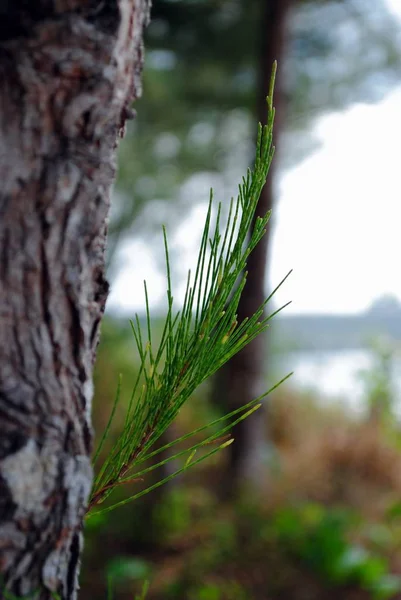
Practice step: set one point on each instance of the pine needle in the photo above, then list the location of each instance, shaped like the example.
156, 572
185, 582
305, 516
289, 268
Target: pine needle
195, 341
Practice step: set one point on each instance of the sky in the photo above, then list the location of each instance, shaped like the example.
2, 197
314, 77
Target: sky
338, 220
337, 223
395, 6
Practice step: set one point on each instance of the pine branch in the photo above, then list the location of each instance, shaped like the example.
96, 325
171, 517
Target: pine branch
197, 340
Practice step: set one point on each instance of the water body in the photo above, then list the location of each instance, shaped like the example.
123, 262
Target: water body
338, 376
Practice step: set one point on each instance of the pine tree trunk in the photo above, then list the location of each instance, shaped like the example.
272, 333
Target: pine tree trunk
244, 377
69, 70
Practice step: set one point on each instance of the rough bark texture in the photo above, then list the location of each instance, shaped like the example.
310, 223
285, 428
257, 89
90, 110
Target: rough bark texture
69, 70
244, 377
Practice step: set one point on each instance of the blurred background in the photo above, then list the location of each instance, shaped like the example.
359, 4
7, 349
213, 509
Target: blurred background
306, 504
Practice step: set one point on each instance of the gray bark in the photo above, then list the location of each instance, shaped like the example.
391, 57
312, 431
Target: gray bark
69, 70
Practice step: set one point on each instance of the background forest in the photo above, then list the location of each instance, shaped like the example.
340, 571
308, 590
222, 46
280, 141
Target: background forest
306, 504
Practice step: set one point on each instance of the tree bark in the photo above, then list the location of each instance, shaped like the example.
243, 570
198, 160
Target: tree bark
69, 70
244, 376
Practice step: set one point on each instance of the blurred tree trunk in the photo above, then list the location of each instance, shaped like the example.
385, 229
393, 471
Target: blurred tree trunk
69, 71
244, 377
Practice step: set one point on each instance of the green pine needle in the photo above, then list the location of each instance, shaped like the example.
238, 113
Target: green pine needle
195, 341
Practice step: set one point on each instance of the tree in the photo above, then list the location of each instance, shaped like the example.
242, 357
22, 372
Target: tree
244, 376
69, 71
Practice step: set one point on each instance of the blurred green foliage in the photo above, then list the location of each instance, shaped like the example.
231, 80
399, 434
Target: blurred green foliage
320, 536
329, 541
126, 568
201, 79
331, 521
